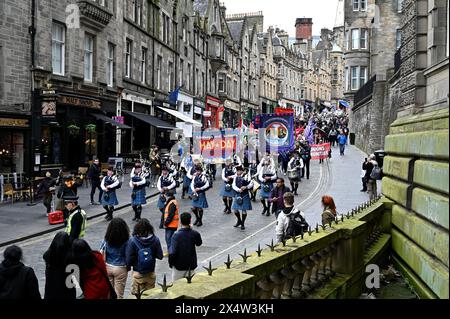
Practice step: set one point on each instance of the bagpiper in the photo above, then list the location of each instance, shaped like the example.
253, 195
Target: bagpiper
227, 193
199, 186
253, 171
165, 183
266, 176
187, 165
109, 198
241, 201
138, 180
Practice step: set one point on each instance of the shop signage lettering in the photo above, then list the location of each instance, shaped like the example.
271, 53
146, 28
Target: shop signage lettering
80, 102
14, 122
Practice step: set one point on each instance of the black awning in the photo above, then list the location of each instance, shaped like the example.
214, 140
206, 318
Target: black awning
106, 119
153, 121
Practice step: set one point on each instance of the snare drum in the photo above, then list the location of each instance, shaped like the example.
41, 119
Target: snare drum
292, 174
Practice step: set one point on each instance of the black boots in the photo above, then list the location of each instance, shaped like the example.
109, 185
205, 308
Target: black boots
137, 213
263, 201
200, 217
194, 210
238, 216
227, 202
109, 212
244, 217
161, 223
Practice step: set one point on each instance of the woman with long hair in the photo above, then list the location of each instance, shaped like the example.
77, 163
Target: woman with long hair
143, 243
94, 281
55, 268
114, 248
329, 210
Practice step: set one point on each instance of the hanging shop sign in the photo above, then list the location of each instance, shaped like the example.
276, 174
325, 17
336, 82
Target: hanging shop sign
78, 101
10, 122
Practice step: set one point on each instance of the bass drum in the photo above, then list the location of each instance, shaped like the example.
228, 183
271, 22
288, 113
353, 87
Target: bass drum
292, 174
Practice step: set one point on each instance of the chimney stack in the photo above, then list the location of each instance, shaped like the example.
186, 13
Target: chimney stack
303, 28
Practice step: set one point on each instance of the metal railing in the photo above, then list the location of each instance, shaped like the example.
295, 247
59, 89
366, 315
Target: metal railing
365, 90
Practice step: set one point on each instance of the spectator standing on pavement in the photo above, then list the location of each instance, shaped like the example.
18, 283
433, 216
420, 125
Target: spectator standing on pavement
329, 210
182, 253
342, 140
305, 154
155, 165
242, 184
138, 196
56, 261
113, 249
371, 183
94, 280
17, 281
109, 199
276, 196
363, 175
76, 223
142, 251
283, 219
94, 175
332, 136
47, 187
171, 217
346, 132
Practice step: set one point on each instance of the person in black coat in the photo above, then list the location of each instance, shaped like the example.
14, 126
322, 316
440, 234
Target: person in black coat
56, 261
305, 153
47, 187
94, 175
17, 281
68, 189
182, 252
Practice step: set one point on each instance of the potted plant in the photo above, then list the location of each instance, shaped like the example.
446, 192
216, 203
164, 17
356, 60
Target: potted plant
90, 128
73, 130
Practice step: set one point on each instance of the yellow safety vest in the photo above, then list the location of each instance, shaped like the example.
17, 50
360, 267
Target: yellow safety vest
83, 225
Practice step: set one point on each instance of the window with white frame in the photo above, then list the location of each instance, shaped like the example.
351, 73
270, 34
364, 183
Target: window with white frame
354, 72
355, 5
355, 39
398, 39
363, 39
158, 72
221, 82
58, 48
399, 6
88, 57
143, 67
362, 76
128, 48
110, 65
363, 5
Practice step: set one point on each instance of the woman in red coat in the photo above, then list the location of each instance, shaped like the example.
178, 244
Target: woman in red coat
94, 280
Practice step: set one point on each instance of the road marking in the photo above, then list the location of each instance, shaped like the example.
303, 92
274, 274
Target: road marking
269, 225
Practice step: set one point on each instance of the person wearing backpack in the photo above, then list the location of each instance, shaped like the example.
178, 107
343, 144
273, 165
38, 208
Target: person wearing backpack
142, 251
109, 199
290, 222
373, 173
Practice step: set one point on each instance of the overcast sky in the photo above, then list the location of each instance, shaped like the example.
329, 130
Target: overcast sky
283, 13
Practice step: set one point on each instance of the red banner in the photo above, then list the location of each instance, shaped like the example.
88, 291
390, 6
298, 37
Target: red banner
283, 111
320, 151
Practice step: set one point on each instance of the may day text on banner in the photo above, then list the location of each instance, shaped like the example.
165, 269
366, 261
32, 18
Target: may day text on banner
320, 151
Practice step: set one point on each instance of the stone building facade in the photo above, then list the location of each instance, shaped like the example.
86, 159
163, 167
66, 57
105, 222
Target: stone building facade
416, 168
268, 81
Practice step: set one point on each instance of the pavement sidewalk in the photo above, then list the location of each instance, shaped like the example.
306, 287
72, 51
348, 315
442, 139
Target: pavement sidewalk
20, 220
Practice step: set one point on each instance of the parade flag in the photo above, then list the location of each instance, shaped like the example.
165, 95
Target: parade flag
309, 131
278, 132
173, 96
320, 151
215, 146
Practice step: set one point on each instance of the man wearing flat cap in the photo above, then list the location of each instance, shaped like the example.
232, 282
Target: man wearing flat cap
76, 223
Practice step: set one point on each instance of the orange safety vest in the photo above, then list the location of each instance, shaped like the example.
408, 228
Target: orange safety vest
175, 221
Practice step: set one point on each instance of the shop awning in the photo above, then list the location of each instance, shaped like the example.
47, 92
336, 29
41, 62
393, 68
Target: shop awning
180, 116
153, 121
106, 119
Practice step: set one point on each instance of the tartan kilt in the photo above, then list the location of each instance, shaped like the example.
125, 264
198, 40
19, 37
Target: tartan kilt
246, 203
140, 197
112, 199
201, 202
264, 194
224, 193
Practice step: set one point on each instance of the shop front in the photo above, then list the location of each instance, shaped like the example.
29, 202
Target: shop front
231, 114
14, 134
213, 114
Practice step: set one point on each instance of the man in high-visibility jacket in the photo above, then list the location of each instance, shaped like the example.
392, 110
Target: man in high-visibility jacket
171, 217
76, 223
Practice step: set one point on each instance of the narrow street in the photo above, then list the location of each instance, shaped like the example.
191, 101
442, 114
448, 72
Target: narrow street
339, 177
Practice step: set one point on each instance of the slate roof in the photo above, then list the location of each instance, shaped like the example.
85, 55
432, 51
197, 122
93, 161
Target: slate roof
201, 6
235, 28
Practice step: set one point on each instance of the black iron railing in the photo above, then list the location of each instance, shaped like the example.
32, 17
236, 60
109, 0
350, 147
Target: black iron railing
365, 90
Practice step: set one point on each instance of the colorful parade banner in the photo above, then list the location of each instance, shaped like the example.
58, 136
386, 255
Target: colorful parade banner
214, 146
278, 132
320, 151
283, 111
